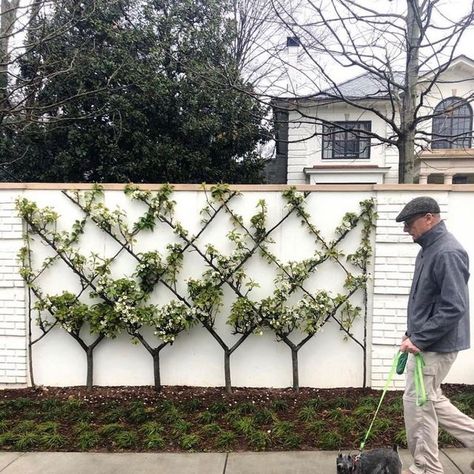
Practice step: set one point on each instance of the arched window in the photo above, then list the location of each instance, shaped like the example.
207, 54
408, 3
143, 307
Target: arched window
452, 124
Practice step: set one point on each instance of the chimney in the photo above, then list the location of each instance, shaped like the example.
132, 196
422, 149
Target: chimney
293, 45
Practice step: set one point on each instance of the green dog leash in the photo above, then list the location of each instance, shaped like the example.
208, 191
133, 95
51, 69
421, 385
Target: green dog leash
419, 365
398, 366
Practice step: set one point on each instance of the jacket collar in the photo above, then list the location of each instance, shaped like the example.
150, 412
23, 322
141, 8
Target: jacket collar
432, 235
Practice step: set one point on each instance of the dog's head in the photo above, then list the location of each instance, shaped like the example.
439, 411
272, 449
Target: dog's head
345, 464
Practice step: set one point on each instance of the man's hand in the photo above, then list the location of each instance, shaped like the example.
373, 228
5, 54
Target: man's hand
408, 346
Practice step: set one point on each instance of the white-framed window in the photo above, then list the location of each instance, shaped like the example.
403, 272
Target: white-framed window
346, 140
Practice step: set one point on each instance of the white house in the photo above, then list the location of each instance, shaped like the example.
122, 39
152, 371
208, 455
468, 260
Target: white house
324, 139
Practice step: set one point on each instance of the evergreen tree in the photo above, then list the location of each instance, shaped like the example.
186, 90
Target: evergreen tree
135, 92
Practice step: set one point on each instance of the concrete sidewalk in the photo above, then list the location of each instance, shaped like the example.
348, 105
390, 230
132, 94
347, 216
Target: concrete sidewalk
455, 461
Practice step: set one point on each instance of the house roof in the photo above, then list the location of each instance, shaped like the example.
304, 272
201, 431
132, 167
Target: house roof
369, 86
365, 86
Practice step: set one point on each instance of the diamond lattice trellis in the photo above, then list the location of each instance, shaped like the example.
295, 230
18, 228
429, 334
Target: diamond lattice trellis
295, 307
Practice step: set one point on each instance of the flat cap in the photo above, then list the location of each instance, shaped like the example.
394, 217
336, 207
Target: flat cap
419, 205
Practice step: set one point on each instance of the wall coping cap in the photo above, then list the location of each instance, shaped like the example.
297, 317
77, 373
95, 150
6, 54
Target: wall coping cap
244, 187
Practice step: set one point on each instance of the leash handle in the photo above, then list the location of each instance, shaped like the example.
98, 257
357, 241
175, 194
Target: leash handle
420, 390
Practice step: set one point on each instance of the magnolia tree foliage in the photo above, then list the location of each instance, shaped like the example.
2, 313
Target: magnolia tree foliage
130, 91
105, 306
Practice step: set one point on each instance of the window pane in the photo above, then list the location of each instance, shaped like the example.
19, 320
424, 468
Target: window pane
340, 143
452, 129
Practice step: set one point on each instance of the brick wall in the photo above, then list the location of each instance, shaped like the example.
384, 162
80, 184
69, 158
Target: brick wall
393, 269
13, 357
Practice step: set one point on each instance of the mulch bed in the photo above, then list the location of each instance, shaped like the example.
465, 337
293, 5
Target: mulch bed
204, 419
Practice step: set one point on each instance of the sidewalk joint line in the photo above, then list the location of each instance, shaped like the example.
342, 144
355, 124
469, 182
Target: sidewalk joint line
11, 462
225, 462
452, 461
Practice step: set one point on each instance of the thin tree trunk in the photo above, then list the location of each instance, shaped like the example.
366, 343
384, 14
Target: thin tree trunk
364, 348
155, 354
90, 367
228, 383
89, 350
156, 370
30, 344
90, 361
406, 146
227, 353
294, 361
8, 17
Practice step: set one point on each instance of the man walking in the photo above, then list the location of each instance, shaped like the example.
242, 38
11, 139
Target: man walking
437, 326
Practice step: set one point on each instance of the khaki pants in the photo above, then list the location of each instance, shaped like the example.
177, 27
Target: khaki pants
421, 423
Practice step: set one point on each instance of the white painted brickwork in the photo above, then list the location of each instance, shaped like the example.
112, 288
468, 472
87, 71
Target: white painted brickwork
384, 355
394, 261
13, 357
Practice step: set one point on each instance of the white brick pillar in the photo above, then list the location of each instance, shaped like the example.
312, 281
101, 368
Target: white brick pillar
13, 331
394, 256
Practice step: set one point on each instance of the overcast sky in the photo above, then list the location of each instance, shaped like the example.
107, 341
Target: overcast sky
308, 80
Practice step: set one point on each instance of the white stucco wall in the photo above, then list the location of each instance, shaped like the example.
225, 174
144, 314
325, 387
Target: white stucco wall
195, 358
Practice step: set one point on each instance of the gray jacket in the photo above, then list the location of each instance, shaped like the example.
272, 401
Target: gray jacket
438, 306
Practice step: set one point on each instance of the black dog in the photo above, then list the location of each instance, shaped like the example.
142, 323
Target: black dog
376, 461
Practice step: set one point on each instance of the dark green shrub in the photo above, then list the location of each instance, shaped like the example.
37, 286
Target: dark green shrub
52, 440
258, 440
264, 416
151, 428
193, 405
282, 428
26, 440
137, 413
82, 427
336, 414
114, 415
206, 417
87, 440
25, 426
400, 438
154, 441
4, 426
307, 413
181, 427
7, 439
211, 429
171, 415
342, 402
329, 440
279, 405
316, 403
47, 427
246, 408
125, 439
244, 425
218, 408
110, 429
189, 441
225, 440
316, 427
